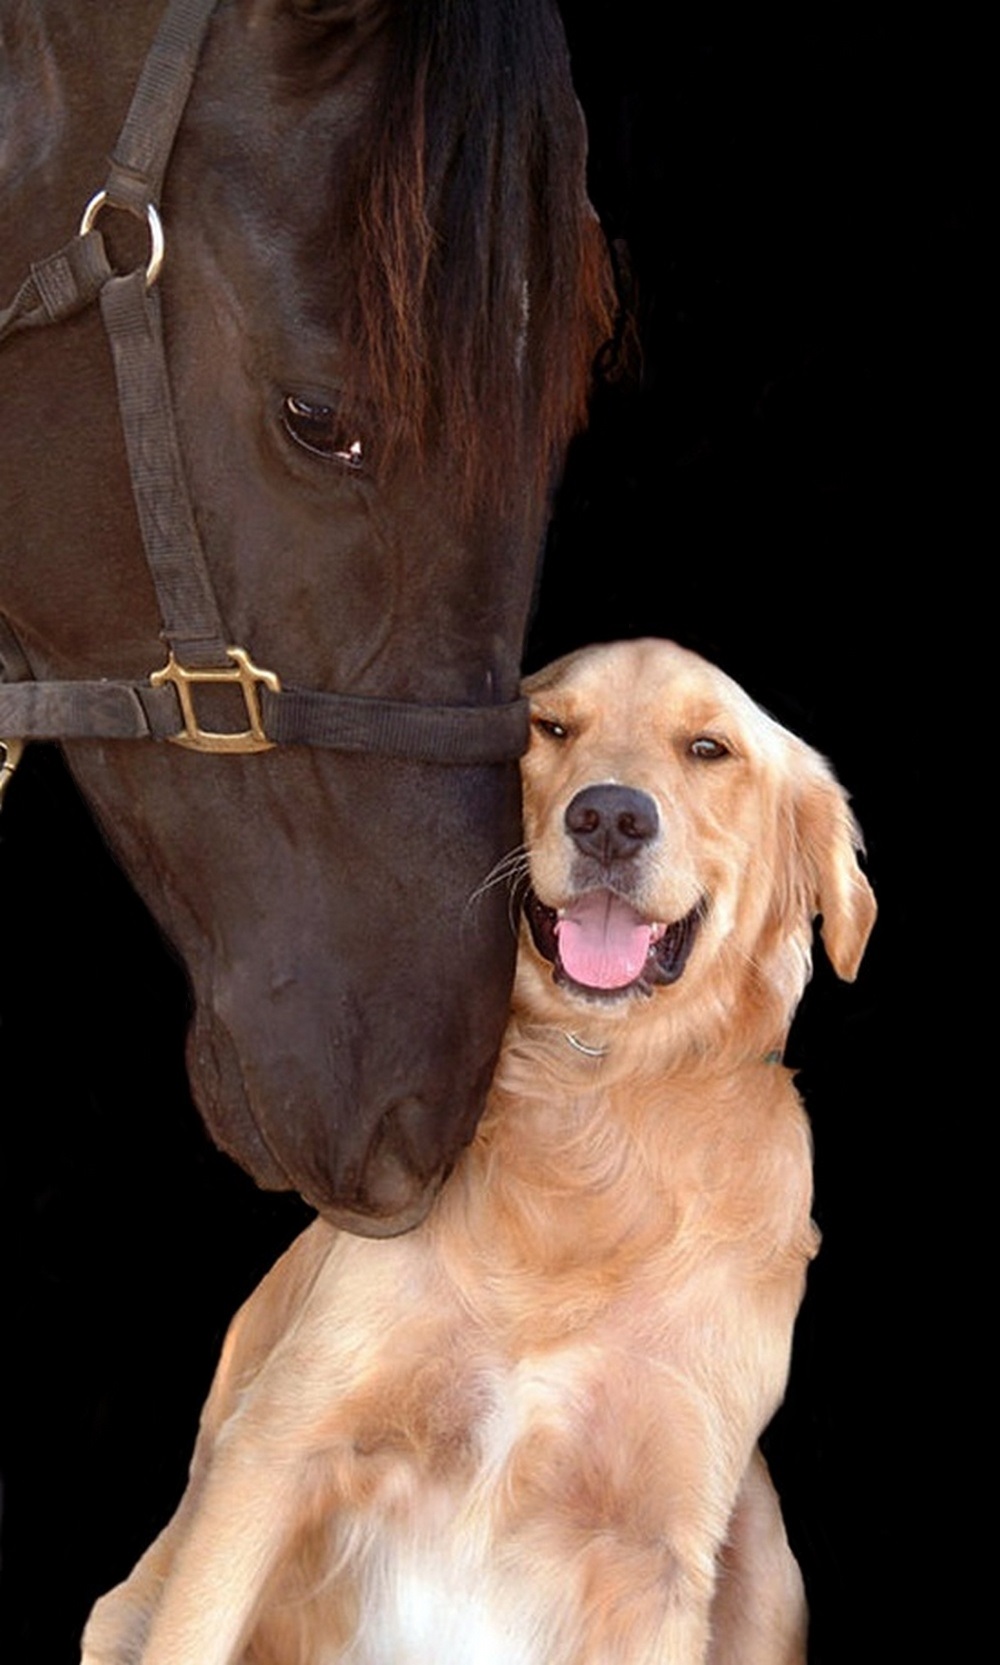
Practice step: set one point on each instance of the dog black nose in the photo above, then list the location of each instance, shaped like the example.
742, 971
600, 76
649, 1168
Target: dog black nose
612, 822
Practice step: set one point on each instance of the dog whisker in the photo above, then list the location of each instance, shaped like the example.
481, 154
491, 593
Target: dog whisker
513, 871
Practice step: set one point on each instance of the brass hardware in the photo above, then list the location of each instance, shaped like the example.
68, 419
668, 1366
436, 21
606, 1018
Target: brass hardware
242, 671
157, 243
10, 757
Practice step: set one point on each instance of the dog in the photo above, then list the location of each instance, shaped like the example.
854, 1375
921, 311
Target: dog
526, 1434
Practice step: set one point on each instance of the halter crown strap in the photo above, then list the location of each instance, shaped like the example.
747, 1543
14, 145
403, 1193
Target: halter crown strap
192, 624
200, 646
140, 157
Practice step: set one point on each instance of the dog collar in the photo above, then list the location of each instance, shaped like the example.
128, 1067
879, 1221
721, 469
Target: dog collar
581, 1046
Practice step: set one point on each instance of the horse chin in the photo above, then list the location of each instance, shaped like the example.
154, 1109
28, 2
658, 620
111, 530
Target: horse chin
393, 1188
389, 1225
397, 1186
374, 1184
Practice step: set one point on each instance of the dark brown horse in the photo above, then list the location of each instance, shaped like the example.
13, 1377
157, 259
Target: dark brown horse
382, 294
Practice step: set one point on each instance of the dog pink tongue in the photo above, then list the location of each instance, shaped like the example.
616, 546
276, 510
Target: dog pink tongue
603, 943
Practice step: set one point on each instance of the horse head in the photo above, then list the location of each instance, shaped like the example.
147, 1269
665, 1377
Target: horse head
382, 294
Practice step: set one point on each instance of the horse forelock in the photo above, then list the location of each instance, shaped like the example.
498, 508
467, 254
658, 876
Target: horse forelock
480, 291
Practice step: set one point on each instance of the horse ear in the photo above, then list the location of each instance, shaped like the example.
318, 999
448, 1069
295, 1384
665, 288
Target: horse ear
829, 839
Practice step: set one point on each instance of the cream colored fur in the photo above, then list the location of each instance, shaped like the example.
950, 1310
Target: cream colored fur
526, 1433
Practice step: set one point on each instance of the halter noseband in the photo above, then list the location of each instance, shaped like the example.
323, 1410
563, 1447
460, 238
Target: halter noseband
166, 707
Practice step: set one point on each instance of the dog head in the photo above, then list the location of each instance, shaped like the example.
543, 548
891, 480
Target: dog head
680, 843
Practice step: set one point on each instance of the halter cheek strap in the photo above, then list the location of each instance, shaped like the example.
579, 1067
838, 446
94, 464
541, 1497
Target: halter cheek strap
200, 649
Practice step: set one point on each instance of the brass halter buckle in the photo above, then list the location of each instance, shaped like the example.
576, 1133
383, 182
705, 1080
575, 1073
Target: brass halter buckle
10, 757
242, 671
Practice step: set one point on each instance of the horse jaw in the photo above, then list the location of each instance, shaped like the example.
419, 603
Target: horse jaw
385, 1174
350, 994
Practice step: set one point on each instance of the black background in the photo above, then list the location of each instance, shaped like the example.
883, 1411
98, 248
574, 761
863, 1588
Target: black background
783, 489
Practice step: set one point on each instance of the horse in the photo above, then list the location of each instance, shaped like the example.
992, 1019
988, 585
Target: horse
376, 288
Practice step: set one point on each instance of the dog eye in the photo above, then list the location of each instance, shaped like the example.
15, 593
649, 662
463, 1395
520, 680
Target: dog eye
707, 749
318, 428
551, 729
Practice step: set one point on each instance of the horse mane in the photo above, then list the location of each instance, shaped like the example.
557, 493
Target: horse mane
482, 288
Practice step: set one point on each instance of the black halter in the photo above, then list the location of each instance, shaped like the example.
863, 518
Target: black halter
199, 646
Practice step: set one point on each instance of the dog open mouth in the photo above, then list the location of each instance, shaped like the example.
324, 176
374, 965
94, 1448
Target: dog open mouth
602, 945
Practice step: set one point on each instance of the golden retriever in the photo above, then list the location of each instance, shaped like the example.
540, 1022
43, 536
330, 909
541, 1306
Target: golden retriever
526, 1433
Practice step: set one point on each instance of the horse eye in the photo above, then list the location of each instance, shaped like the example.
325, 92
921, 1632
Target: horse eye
553, 730
319, 429
318, 10
707, 749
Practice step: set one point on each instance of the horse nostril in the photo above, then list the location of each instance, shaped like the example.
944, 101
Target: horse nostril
612, 822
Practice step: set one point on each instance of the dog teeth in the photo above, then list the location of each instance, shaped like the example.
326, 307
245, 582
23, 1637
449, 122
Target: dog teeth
656, 928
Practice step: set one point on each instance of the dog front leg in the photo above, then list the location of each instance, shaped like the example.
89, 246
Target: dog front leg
125, 1625
118, 1625
759, 1611
245, 1518
116, 1631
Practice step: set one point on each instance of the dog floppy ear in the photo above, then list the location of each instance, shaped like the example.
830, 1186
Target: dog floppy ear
829, 839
